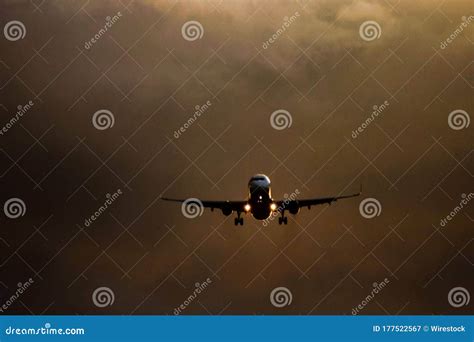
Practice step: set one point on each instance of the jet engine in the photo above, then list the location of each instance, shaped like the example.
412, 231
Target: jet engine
227, 209
293, 207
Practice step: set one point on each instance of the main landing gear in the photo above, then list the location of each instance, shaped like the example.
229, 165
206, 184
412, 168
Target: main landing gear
283, 219
239, 220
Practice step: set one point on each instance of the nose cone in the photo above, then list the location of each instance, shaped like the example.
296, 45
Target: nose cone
260, 179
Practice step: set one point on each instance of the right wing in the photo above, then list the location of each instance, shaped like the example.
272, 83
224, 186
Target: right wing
225, 206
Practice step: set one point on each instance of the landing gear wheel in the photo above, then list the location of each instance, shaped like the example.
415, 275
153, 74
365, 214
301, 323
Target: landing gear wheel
239, 220
283, 220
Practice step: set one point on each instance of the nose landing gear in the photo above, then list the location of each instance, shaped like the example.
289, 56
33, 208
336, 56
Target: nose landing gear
239, 220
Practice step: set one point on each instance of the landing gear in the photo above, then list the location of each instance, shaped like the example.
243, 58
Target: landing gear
283, 219
239, 220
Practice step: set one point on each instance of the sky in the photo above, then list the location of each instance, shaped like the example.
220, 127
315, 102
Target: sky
376, 94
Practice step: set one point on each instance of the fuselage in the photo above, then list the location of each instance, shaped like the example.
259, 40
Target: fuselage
260, 196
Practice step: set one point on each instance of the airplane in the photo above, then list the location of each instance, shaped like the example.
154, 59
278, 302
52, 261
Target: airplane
261, 204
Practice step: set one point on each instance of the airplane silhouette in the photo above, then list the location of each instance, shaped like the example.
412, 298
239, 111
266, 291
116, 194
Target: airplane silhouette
260, 202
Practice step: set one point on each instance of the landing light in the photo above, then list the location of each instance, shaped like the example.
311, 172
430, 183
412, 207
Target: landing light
247, 207
273, 206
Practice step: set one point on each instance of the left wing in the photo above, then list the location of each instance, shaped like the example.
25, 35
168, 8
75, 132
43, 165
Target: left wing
296, 204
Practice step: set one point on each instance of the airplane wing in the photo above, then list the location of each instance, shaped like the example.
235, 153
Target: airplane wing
223, 205
314, 201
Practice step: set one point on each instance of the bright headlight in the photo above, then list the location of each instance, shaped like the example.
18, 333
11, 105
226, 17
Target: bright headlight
273, 206
247, 207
